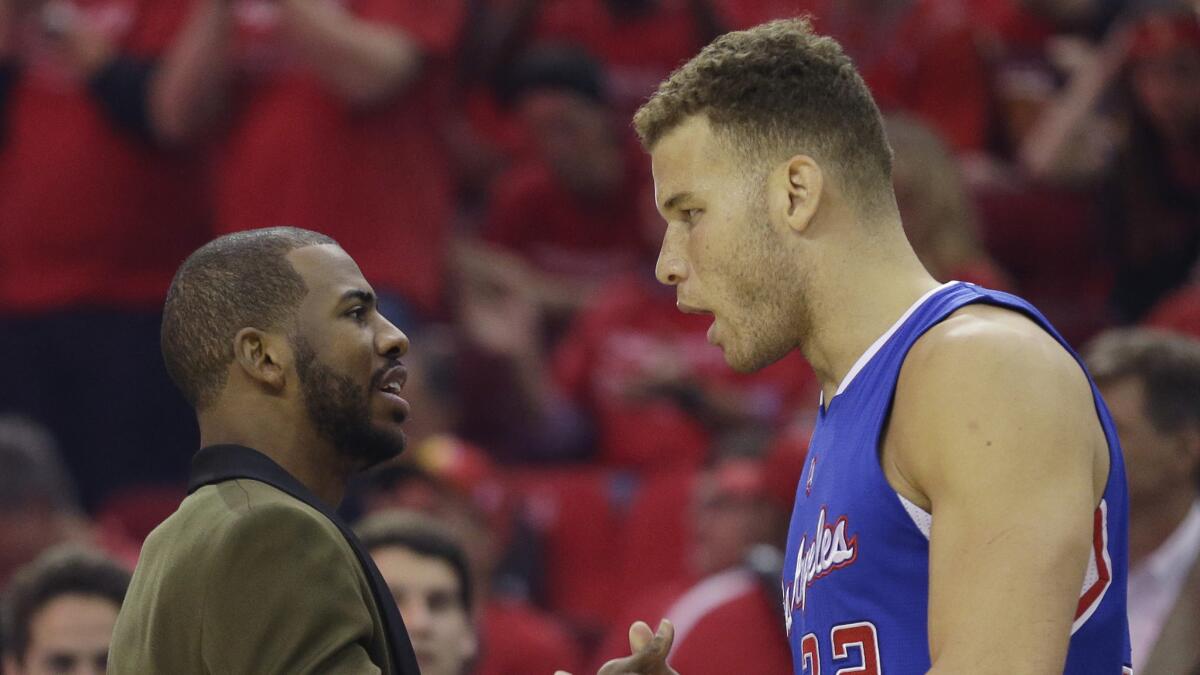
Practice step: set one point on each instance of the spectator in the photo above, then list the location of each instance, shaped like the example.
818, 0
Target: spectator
727, 620
1151, 383
1148, 193
639, 42
426, 569
327, 117
38, 504
570, 214
1151, 202
97, 208
457, 486
59, 611
939, 217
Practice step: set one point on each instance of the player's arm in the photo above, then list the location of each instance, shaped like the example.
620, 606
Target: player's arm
994, 429
282, 597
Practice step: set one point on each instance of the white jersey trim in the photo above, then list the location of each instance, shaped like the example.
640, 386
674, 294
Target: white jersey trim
882, 340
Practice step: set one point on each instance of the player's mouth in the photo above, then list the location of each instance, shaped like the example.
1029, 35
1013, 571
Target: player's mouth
389, 384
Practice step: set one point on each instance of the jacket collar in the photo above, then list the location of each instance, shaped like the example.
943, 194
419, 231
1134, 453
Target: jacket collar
219, 463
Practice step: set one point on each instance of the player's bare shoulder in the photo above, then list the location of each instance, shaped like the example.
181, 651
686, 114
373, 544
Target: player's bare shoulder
999, 353
990, 379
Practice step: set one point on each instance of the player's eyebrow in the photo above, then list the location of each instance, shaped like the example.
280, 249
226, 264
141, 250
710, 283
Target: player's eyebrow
366, 297
674, 200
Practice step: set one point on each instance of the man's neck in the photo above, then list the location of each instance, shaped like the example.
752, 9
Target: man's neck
1151, 524
299, 451
854, 307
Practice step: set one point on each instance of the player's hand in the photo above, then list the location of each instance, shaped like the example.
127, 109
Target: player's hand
649, 655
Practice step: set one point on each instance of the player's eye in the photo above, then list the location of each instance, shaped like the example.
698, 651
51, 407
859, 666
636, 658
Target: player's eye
359, 313
690, 215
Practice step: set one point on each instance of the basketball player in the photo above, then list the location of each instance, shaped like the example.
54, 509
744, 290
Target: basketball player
963, 509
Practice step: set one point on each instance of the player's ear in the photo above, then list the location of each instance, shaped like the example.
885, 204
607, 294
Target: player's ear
263, 357
796, 188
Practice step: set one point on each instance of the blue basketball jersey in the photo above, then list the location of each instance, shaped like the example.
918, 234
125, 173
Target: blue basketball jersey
856, 572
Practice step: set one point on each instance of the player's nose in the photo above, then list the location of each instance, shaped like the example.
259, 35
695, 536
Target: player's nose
671, 269
390, 341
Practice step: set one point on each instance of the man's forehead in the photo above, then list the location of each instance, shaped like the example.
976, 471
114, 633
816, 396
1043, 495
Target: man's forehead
680, 157
327, 270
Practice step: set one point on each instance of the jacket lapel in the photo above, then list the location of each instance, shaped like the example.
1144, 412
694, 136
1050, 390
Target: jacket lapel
219, 463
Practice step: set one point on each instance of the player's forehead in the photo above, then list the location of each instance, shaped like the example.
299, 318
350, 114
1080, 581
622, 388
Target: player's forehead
687, 161
329, 273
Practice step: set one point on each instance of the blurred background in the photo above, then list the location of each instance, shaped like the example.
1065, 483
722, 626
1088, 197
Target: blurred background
573, 434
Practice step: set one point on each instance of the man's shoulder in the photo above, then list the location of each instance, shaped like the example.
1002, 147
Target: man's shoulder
994, 353
233, 509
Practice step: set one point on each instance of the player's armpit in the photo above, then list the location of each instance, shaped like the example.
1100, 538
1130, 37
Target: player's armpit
995, 425
282, 597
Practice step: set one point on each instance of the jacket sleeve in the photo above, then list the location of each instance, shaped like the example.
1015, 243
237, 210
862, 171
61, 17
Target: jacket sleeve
283, 596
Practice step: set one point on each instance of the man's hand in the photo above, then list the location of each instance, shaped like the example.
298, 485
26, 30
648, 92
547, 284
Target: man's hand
649, 655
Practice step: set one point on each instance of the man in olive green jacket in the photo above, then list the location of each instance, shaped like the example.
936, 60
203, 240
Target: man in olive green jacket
274, 337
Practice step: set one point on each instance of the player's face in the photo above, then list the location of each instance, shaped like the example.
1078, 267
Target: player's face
427, 591
1158, 465
347, 358
70, 634
721, 251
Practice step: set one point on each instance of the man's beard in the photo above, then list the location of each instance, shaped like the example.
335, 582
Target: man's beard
341, 411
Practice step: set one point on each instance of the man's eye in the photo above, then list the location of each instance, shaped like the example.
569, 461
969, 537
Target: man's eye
358, 313
691, 215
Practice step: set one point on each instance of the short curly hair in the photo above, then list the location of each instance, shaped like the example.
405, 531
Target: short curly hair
777, 90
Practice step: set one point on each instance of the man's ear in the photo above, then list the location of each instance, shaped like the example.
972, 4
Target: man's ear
264, 357
796, 187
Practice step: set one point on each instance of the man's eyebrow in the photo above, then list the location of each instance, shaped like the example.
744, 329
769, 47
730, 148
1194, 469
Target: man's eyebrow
366, 297
674, 200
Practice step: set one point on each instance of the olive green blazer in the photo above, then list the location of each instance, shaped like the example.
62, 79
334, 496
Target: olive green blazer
247, 578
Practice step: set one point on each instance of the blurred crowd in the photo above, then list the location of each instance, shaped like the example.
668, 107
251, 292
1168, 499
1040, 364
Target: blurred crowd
579, 454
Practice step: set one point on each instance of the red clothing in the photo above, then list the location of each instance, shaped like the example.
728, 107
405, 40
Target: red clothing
724, 624
638, 52
517, 639
89, 214
376, 180
558, 232
924, 61
633, 331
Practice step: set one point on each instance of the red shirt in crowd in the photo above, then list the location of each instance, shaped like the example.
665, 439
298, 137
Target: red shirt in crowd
634, 333
726, 623
90, 214
517, 639
637, 51
535, 215
376, 180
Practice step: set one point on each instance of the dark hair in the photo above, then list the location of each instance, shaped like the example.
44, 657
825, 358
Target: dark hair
776, 90
233, 282
65, 570
32, 473
422, 535
1167, 364
552, 66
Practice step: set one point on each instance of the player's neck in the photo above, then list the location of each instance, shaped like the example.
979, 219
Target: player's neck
857, 304
1151, 524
